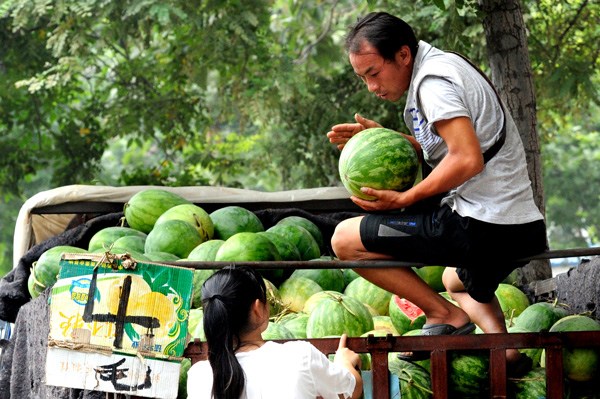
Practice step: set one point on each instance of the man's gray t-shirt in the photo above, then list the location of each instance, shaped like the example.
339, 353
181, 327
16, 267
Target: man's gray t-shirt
444, 86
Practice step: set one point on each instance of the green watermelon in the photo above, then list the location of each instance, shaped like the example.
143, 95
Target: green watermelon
425, 363
200, 276
196, 324
405, 315
309, 225
300, 237
336, 316
384, 323
535, 354
296, 324
532, 385
46, 269
469, 375
315, 298
205, 251
194, 215
370, 294
295, 291
247, 246
145, 207
34, 287
415, 381
432, 275
230, 220
276, 331
540, 316
129, 243
512, 300
186, 363
328, 279
104, 238
378, 158
580, 364
173, 236
349, 275
286, 249
158, 256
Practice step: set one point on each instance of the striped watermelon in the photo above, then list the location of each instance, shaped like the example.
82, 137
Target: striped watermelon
295, 291
414, 380
336, 316
144, 207
378, 158
370, 294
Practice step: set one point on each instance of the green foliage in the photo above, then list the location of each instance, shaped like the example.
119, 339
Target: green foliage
571, 177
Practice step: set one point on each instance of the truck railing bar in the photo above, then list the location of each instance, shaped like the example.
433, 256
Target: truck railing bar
366, 264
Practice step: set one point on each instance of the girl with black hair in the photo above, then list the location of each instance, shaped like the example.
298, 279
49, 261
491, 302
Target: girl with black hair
243, 365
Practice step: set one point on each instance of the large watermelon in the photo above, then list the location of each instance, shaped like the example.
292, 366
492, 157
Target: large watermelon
378, 158
370, 294
234, 219
336, 316
144, 208
128, 244
432, 275
295, 291
44, 271
173, 236
415, 381
579, 364
469, 375
205, 251
200, 276
276, 331
309, 225
405, 315
540, 316
192, 214
286, 249
247, 246
512, 300
296, 324
532, 385
104, 238
196, 324
328, 279
317, 297
300, 237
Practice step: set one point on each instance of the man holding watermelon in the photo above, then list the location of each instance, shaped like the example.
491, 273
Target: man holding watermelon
474, 210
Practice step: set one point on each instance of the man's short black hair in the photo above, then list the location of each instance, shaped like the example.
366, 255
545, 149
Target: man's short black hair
383, 31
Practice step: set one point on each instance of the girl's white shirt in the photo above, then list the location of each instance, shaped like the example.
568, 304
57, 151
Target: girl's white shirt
294, 370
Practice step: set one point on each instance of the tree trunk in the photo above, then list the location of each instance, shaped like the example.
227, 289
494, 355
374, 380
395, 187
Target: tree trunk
511, 73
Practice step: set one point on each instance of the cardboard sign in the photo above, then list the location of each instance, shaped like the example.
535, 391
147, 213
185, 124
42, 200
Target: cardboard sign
117, 325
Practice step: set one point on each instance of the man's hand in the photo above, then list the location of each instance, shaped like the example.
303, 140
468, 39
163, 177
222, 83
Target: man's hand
385, 200
340, 134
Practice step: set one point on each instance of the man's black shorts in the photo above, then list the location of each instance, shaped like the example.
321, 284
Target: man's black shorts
483, 253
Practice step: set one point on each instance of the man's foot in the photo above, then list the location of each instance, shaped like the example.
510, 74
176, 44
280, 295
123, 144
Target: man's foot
437, 329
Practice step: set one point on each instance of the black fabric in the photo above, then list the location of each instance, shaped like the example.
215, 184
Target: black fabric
484, 253
13, 286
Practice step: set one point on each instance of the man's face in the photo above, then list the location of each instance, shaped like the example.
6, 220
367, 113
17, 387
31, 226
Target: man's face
389, 80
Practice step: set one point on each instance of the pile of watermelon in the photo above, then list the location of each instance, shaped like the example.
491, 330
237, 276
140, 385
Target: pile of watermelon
315, 303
